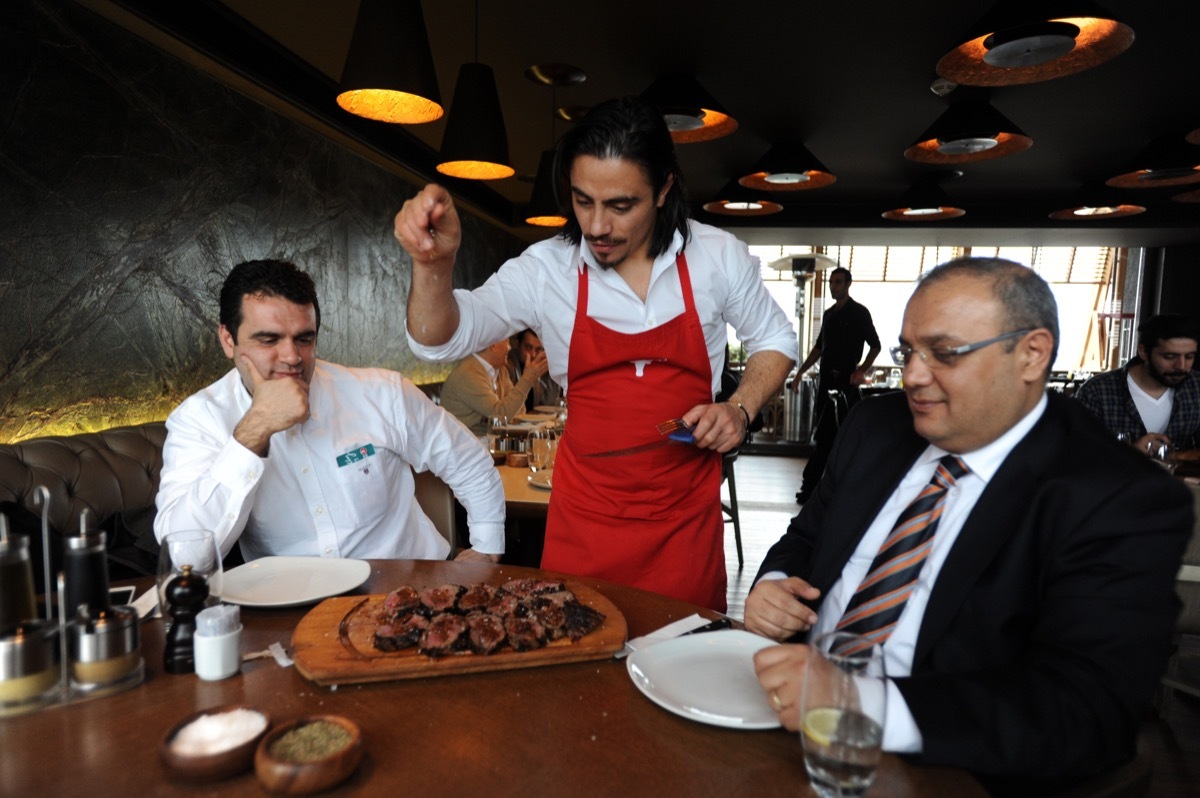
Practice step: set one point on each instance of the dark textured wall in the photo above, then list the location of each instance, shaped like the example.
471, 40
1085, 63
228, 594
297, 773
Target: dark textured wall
129, 184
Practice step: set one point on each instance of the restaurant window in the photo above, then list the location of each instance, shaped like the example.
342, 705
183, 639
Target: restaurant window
1087, 284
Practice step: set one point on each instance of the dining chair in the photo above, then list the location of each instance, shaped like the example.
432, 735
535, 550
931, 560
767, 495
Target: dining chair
731, 509
437, 502
1183, 669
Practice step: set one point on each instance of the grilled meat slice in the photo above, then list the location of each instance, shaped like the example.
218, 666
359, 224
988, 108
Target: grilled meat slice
447, 634
550, 615
443, 598
524, 634
400, 602
477, 598
485, 632
524, 588
580, 619
402, 633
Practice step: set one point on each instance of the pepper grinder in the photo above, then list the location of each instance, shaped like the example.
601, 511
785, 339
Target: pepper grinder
186, 594
85, 563
16, 578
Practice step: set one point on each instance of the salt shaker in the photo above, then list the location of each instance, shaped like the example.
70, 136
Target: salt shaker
185, 596
217, 642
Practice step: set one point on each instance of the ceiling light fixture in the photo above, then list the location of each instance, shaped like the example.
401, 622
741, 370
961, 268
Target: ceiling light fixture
788, 167
475, 144
967, 132
1020, 42
692, 114
735, 200
544, 208
1097, 203
389, 74
1163, 163
926, 201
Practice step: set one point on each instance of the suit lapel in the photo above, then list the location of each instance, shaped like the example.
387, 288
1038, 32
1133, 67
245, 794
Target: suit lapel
998, 514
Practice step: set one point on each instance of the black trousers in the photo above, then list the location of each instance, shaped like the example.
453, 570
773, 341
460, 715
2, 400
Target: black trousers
833, 402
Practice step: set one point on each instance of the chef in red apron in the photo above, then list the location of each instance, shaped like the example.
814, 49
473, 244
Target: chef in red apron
595, 295
649, 519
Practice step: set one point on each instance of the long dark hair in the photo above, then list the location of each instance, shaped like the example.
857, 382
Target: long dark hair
634, 130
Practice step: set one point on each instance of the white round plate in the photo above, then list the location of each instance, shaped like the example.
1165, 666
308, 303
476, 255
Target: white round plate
542, 479
291, 581
707, 678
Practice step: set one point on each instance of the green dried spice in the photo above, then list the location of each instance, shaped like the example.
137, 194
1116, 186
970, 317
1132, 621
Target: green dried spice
310, 742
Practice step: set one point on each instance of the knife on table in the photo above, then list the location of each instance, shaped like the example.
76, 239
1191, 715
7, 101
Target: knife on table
683, 436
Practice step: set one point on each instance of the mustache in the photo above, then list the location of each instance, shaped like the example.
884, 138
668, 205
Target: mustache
603, 240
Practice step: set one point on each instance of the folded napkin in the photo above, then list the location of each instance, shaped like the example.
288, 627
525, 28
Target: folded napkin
668, 632
147, 604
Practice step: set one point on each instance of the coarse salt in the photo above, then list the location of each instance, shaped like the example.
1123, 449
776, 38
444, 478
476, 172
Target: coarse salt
212, 734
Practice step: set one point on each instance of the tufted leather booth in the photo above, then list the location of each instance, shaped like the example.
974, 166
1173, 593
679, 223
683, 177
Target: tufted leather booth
105, 472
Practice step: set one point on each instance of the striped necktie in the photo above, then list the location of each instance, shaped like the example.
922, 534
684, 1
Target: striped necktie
877, 603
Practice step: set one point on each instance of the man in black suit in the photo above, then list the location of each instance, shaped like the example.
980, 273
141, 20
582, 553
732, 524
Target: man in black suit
1030, 645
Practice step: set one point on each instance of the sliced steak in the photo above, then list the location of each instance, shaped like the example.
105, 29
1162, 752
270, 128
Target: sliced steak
401, 601
447, 634
477, 597
486, 632
443, 598
580, 619
532, 587
506, 605
550, 615
524, 634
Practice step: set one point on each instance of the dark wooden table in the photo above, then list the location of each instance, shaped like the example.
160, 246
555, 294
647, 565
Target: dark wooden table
578, 729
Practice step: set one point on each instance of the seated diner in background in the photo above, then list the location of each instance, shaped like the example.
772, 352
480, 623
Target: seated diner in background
1154, 399
291, 455
526, 349
478, 388
1014, 561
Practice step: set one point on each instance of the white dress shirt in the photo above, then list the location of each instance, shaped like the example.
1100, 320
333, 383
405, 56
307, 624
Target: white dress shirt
337, 485
1154, 410
900, 733
539, 289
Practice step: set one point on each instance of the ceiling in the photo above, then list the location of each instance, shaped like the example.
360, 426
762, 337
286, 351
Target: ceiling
851, 80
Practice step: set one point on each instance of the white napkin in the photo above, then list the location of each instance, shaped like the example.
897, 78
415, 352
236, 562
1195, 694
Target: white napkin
668, 632
147, 604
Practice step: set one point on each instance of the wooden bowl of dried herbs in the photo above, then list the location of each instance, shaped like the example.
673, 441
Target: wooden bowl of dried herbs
308, 755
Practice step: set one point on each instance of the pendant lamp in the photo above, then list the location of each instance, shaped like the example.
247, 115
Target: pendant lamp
736, 200
475, 145
926, 201
544, 208
1096, 203
692, 113
967, 132
389, 74
1028, 41
788, 167
1164, 163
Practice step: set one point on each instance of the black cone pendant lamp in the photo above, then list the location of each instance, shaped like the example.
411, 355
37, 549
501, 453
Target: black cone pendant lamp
788, 167
389, 74
1027, 41
544, 208
475, 145
735, 199
967, 132
692, 113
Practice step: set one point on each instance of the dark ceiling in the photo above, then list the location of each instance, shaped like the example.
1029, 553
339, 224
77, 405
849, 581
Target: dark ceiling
849, 79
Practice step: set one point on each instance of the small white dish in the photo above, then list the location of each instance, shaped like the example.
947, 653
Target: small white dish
291, 581
542, 479
708, 678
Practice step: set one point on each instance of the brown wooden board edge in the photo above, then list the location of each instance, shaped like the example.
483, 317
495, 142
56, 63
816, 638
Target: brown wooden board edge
322, 654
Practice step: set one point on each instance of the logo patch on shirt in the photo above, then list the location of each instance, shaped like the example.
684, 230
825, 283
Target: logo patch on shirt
355, 455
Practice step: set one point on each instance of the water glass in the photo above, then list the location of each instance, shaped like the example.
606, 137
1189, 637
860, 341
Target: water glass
194, 547
842, 713
496, 432
541, 449
1164, 455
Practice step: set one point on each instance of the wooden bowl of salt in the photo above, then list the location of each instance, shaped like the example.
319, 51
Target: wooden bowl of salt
308, 755
214, 744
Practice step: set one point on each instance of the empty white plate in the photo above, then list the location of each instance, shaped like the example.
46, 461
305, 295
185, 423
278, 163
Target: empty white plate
291, 581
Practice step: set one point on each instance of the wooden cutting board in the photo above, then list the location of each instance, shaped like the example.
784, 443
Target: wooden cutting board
334, 644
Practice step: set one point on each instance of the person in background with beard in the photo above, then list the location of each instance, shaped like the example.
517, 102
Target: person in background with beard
1155, 398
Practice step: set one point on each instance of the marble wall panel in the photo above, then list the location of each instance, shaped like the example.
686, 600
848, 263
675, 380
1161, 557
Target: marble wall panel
129, 184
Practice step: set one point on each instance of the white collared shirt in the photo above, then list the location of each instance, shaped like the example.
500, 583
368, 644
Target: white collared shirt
337, 485
539, 289
901, 734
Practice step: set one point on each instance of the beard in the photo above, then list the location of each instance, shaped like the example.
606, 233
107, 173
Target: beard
1168, 379
612, 262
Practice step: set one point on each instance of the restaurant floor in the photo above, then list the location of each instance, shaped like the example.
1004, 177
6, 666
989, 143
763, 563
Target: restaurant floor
766, 488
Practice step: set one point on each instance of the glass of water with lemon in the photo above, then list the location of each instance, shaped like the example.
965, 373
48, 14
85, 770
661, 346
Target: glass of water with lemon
842, 713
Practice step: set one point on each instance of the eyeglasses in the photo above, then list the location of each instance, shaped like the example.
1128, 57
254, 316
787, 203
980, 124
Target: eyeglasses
948, 355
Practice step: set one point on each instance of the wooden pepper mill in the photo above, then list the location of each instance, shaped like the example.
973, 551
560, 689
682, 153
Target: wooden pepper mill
186, 594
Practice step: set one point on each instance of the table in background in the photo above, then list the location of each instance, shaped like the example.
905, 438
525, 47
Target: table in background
577, 729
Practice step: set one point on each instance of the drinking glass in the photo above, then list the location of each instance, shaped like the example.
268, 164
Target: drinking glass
541, 449
842, 713
495, 434
194, 547
1164, 455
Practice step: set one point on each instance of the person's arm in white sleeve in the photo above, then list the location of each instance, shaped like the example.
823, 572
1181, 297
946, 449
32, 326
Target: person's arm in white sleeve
438, 442
208, 479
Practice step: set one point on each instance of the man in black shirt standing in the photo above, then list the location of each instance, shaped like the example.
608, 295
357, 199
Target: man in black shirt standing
846, 327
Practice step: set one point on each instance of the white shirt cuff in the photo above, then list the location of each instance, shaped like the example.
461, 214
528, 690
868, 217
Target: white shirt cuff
900, 732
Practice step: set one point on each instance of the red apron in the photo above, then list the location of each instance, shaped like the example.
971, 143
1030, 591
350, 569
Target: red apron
653, 519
